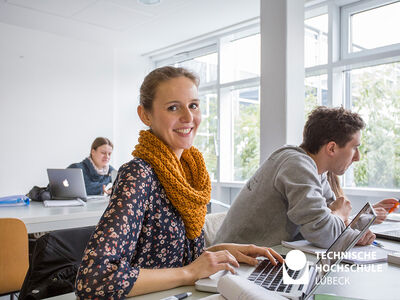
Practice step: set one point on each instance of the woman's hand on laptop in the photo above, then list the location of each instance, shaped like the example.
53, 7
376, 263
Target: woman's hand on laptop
210, 262
248, 253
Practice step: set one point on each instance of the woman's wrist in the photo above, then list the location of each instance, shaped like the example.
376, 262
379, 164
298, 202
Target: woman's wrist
215, 248
188, 275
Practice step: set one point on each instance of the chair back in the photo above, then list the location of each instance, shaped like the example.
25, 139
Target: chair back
14, 255
211, 226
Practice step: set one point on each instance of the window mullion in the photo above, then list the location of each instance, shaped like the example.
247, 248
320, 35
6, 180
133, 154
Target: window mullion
334, 78
219, 112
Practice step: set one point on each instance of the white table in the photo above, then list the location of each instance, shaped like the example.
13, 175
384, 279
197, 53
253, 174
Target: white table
152, 296
39, 218
371, 286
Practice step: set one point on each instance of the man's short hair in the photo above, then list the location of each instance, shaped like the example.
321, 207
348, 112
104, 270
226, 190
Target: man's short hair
325, 124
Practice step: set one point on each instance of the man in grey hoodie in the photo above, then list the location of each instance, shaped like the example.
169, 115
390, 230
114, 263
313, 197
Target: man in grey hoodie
289, 198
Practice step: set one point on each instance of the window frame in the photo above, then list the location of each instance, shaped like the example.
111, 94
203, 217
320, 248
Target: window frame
340, 61
208, 45
346, 13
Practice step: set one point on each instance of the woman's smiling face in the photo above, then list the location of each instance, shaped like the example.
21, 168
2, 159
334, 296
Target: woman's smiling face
175, 114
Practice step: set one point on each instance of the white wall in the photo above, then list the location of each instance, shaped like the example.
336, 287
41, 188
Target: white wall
130, 70
56, 96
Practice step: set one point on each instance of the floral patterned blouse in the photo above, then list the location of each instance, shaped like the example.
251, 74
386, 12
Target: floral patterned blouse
139, 229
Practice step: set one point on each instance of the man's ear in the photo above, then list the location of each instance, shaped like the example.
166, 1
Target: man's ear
143, 115
330, 148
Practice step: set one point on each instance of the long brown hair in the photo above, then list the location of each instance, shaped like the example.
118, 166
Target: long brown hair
334, 182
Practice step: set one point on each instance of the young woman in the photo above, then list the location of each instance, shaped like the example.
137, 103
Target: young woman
150, 237
96, 168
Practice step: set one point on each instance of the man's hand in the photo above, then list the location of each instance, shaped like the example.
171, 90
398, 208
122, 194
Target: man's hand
383, 207
106, 191
366, 239
381, 215
342, 208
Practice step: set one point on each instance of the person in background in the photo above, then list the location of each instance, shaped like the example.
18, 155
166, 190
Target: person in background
96, 168
381, 208
289, 197
151, 236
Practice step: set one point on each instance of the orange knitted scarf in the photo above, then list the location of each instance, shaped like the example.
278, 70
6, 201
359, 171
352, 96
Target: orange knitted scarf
185, 181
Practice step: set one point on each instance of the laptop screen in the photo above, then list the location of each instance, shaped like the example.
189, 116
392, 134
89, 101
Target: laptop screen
347, 239
67, 183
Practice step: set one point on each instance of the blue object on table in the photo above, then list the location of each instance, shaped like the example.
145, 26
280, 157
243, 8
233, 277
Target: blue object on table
375, 243
14, 200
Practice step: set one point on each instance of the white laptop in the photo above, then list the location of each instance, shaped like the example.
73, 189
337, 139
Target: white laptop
67, 184
271, 277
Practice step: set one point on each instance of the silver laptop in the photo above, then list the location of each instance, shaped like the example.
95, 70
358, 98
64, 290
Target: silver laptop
271, 277
388, 234
105, 197
67, 184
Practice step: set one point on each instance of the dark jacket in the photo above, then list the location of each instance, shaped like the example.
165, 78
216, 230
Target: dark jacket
93, 181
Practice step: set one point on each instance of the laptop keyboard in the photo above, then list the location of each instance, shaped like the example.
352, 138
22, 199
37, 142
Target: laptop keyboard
270, 277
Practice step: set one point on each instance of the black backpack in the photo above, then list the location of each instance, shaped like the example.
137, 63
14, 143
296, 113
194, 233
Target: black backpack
39, 193
55, 262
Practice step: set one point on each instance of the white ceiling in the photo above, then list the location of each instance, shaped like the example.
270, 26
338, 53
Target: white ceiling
126, 23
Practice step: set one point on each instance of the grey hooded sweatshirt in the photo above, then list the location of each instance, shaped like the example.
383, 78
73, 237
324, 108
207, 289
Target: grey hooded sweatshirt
286, 199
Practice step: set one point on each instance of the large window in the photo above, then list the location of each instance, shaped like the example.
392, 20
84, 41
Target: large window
240, 58
316, 40
205, 66
352, 58
360, 69
372, 28
246, 132
375, 94
229, 70
207, 134
316, 92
